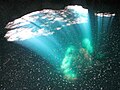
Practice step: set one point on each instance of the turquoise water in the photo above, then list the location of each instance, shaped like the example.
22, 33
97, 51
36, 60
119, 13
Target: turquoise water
64, 38
67, 50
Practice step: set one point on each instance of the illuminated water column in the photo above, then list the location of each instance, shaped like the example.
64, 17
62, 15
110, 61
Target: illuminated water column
66, 66
86, 40
62, 37
85, 28
104, 21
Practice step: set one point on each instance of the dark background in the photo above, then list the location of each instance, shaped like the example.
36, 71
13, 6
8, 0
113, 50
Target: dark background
22, 69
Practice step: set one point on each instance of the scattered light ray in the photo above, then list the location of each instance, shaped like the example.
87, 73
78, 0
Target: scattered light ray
51, 33
46, 48
104, 21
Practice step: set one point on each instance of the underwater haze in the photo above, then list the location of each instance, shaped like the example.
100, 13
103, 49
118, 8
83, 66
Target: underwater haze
62, 50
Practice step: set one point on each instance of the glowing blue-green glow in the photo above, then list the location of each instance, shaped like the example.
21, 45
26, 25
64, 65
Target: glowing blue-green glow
87, 45
76, 56
61, 37
47, 47
66, 65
